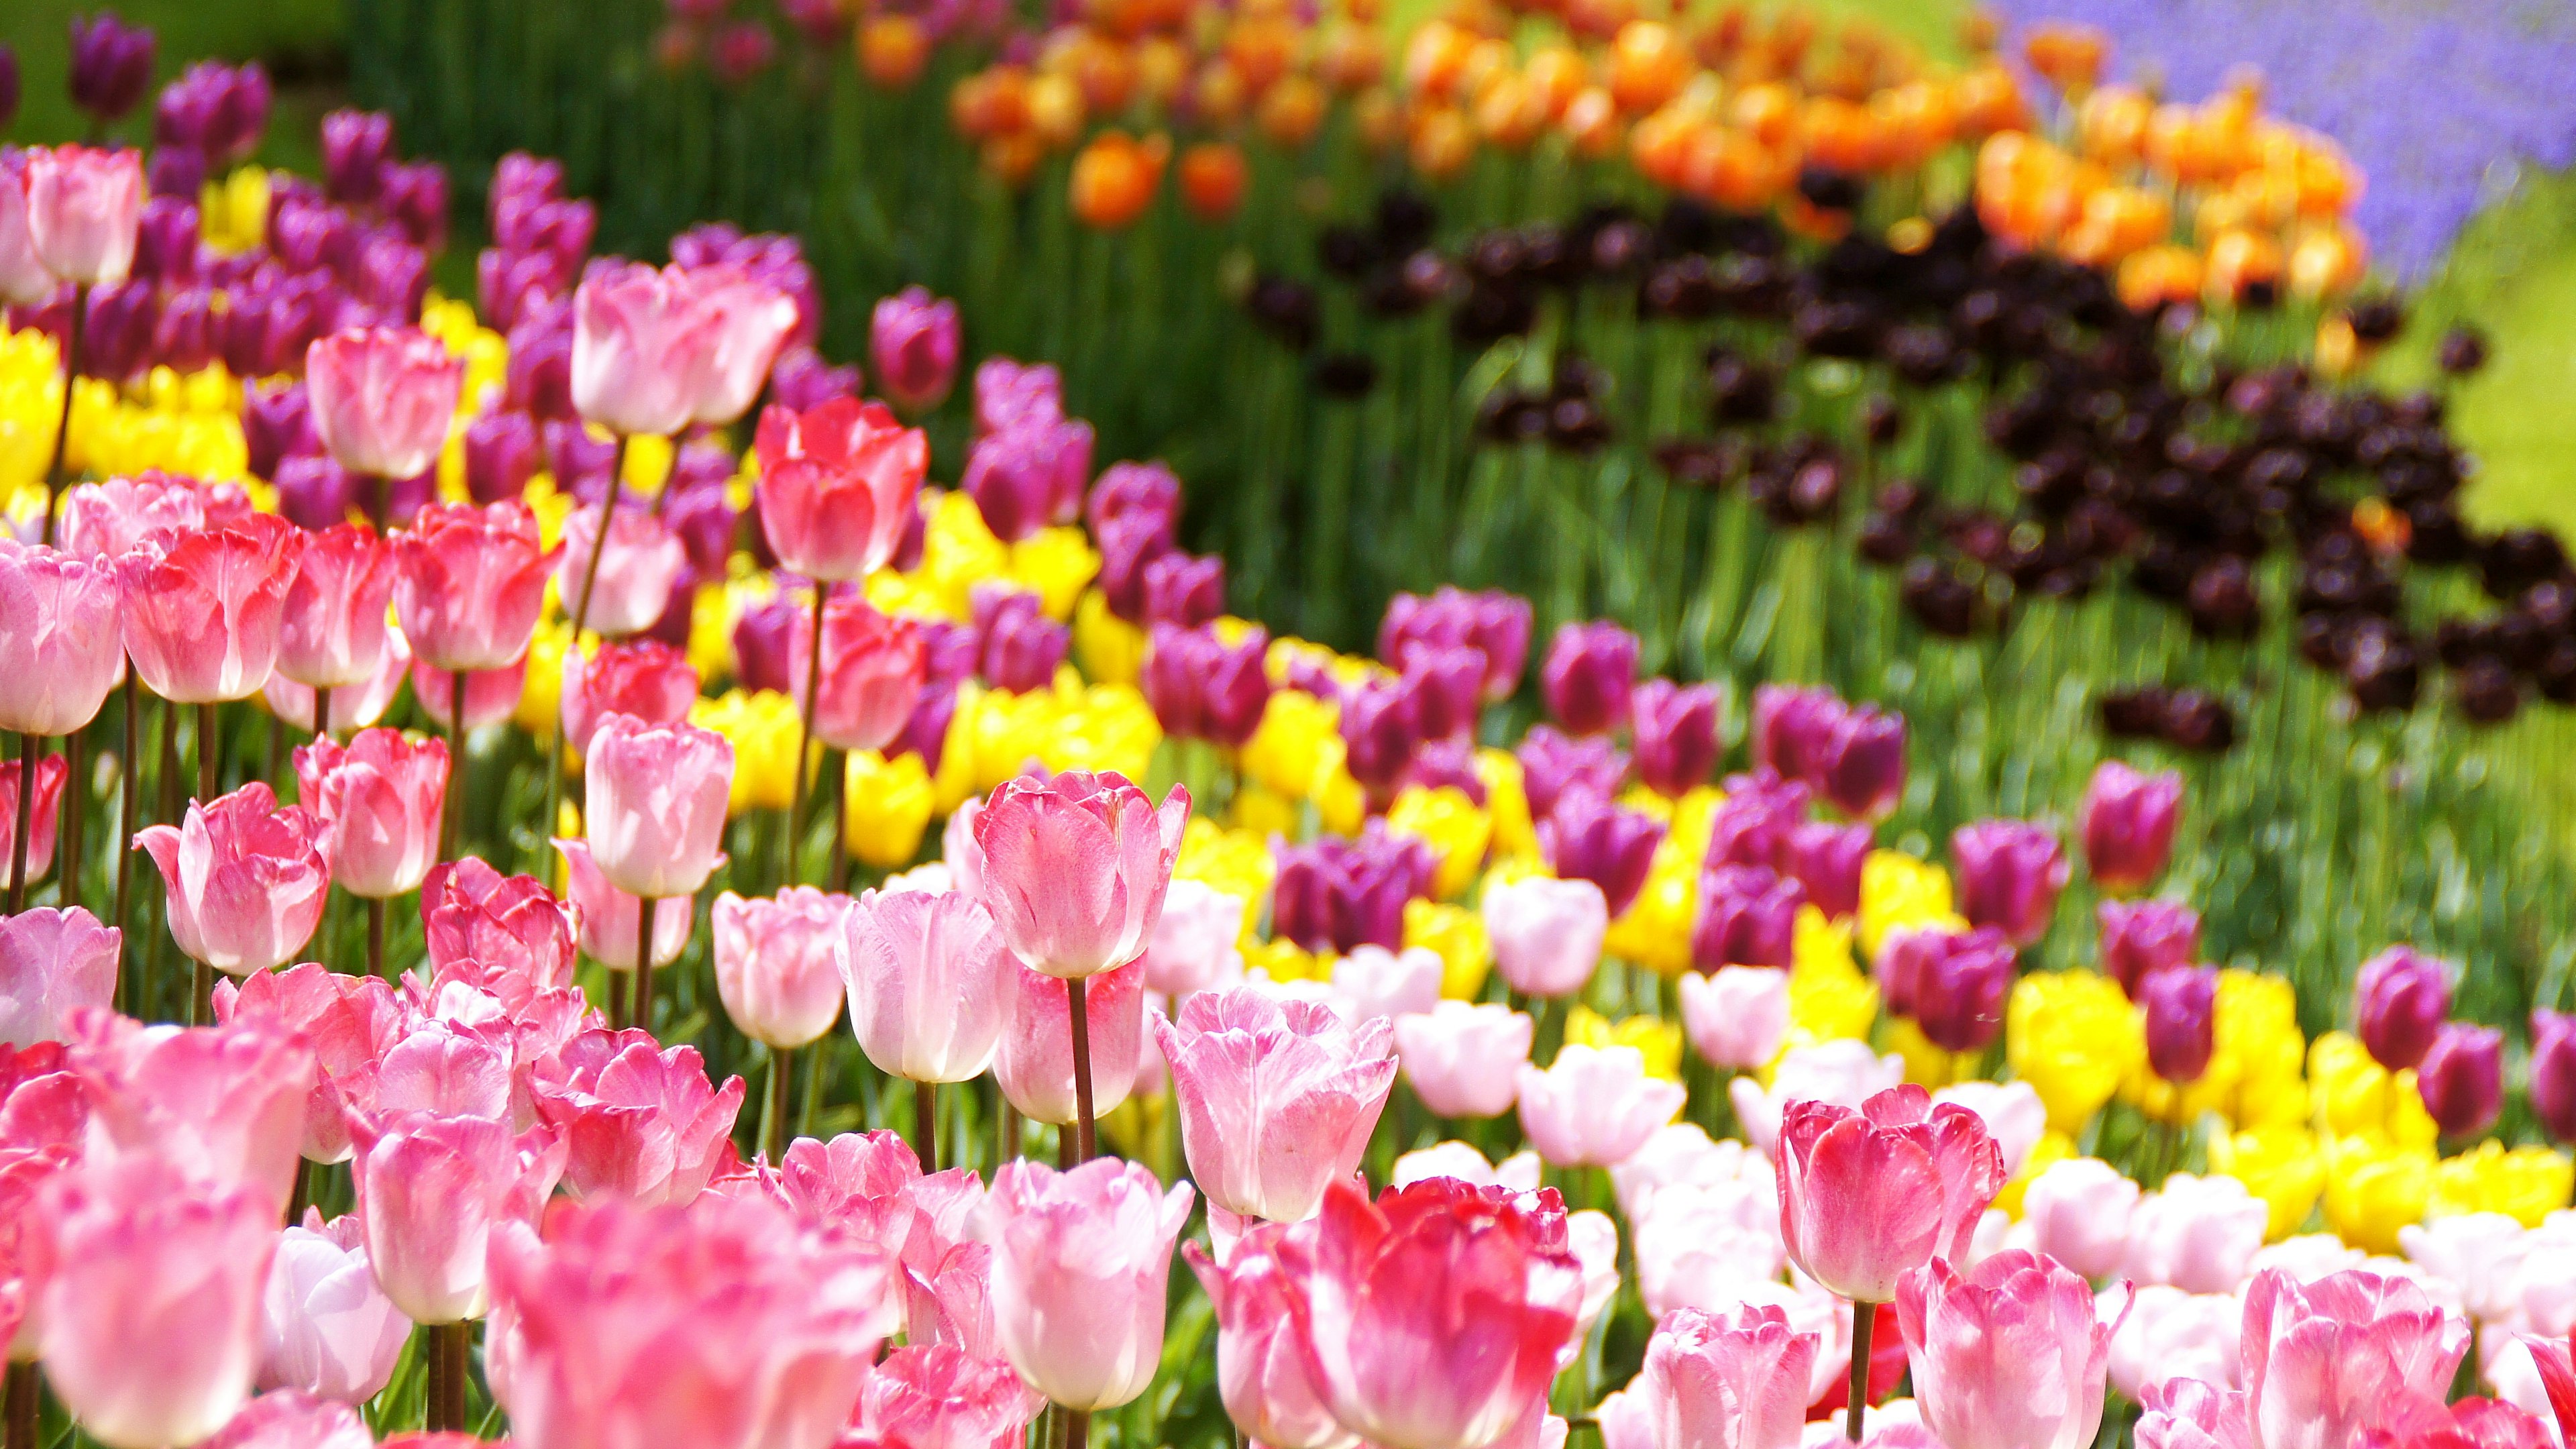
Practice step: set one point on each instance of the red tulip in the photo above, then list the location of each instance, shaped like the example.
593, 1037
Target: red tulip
777, 967
379, 798
52, 963
43, 819
633, 580
326, 1327
382, 398
348, 1021
84, 208
1868, 1195
468, 910
472, 582
434, 1191
246, 879
929, 981
641, 1123
1080, 1260
752, 321
656, 804
2009, 1355
332, 632
643, 343
1277, 1098
647, 679
202, 617
60, 650
1074, 868
837, 486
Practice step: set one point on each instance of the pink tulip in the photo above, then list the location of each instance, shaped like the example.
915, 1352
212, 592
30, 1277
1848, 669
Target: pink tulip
1080, 1260
912, 340
432, 1193
290, 1420
24, 282
1738, 1017
656, 804
938, 1397
202, 617
332, 630
1595, 1106
632, 585
150, 1298
348, 1021
2169, 1331
326, 1328
647, 679
52, 963
1277, 1098
44, 817
1463, 1060
608, 916
752, 321
1194, 946
2009, 1355
873, 668
2186, 1413
959, 852
1735, 1380
1262, 1373
1843, 1072
2199, 1234
2329, 1361
356, 707
379, 798
777, 970
929, 983
641, 1123
1546, 933
221, 1105
1434, 1317
837, 486
718, 1326
1074, 868
491, 695
84, 208
468, 910
2078, 1211
382, 398
44, 1118
1033, 1061
471, 583
246, 879
643, 347
60, 647
1867, 1195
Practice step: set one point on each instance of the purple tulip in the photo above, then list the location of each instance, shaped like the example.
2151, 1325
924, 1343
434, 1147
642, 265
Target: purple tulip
1447, 689
175, 173
277, 423
701, 512
508, 284
802, 381
926, 732
393, 277
1124, 489
1587, 837
1952, 983
1676, 734
2462, 1078
1754, 823
355, 147
165, 242
1129, 544
184, 338
1553, 763
1590, 673
500, 455
1201, 689
111, 65
8, 85
538, 379
1378, 736
2553, 1072
215, 110
2141, 938
1493, 623
314, 491
579, 461
763, 644
2182, 1014
1022, 646
912, 339
1184, 589
1012, 476
2129, 825
1340, 895
1858, 762
1788, 723
950, 652
1827, 860
254, 333
1748, 916
116, 340
520, 180
2009, 873
415, 197
2399, 1001
1450, 762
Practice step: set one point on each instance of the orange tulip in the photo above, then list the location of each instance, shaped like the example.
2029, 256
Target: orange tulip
1013, 157
2112, 122
1510, 112
1380, 119
1841, 135
1262, 49
1220, 94
1648, 65
1767, 112
2327, 260
2157, 275
1055, 110
1213, 177
1433, 58
1162, 68
1349, 57
1660, 146
1442, 142
1591, 123
2240, 261
2115, 221
893, 50
2068, 56
1557, 73
1115, 177
1291, 111
1989, 101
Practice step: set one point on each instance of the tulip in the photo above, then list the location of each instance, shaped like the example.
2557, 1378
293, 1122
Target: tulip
491, 695
52, 963
1262, 1375
24, 282
468, 910
222, 1106
644, 348
1444, 689
656, 804
1867, 1195
873, 668
1150, 491
2553, 1072
41, 809
2186, 1413
1595, 1106
379, 799
84, 207
1194, 942
1737, 1017
1340, 895
1184, 589
1546, 932
1033, 1060
2079, 1211
776, 963
2399, 1002
290, 1420
1030, 474
1463, 1060
107, 520
1374, 983
2129, 825
1754, 825
1953, 985
1787, 728
202, 617
1857, 761
111, 65
2009, 874
608, 917
939, 1397
1734, 1380
150, 1298
639, 1123
355, 147
348, 1022
837, 487
2462, 1078
471, 583
752, 320
1277, 1098
1202, 689
2199, 1234
2485, 1257
1074, 868
500, 455
332, 632
2169, 1331
646, 679
622, 584
60, 650
1827, 860
928, 980
1434, 1317
2141, 938
1748, 917
1588, 838
432, 1193
1022, 647
2008, 1355
2328, 1362
720, 1327
1843, 1072
912, 340
1676, 733
246, 879
2182, 1008
326, 1327
1080, 1259
1588, 678
382, 398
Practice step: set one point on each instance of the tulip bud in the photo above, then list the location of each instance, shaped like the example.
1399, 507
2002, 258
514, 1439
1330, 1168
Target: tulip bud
2400, 999
1184, 589
928, 980
380, 799
2462, 1078
2129, 825
246, 879
1589, 838
1925, 1171
2182, 1005
1546, 932
1748, 916
655, 811
111, 65
837, 486
1738, 1016
2553, 1072
355, 148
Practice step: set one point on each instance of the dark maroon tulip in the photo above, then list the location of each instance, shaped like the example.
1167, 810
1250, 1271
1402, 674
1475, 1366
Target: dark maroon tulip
1150, 489
1022, 646
1019, 477
1590, 673
2129, 822
2141, 938
1675, 728
2182, 1014
1587, 837
1184, 589
1378, 736
1129, 543
1748, 916
355, 147
165, 241
1753, 824
2009, 873
1952, 983
2462, 1078
1553, 763
1447, 689
111, 65
1827, 860
116, 340
1788, 722
1858, 762
500, 455
2553, 1072
2399, 1001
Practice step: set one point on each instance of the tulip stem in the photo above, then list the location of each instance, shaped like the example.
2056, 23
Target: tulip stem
451, 1349
1006, 1132
644, 962
201, 996
57, 475
322, 714
580, 620
209, 762
67, 840
805, 740
1077, 1428
1864, 1322
129, 785
22, 1406
925, 1124
618, 1016
303, 1197
375, 937
447, 829
773, 1126
27, 757
1080, 1014
840, 875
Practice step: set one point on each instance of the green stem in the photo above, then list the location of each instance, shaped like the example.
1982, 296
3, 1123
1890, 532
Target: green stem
1864, 1324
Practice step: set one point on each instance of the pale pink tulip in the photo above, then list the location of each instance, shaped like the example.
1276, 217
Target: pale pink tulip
959, 852
84, 207
2197, 1233
2329, 1361
1546, 932
1375, 983
777, 963
2171, 1332
24, 282
286, 1419
632, 585
640, 1123
61, 650
1196, 943
2186, 1413
1594, 1237
1277, 1098
348, 1021
223, 1105
2483, 1255
1683, 1155
1033, 1060
433, 1191
201, 617
608, 916
246, 879
382, 398
326, 1327
52, 963
1464, 1060
929, 983
2013, 1114
1519, 1172
468, 910
1736, 1380
1074, 868
471, 582
1080, 1260
1737, 1018
2009, 1355
1711, 1245
2078, 1211
935, 1396
379, 798
1262, 1373
838, 485
109, 519
643, 344
752, 320
1843, 1071
491, 695
354, 708
1595, 1106
869, 1187
656, 804
332, 630
1867, 1195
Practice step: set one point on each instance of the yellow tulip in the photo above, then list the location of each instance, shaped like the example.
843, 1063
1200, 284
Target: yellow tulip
1657, 1040
1507, 801
1655, 930
2526, 1184
1285, 960
1447, 821
1898, 890
1927, 1064
1264, 814
1457, 936
1830, 1006
958, 552
1296, 747
763, 727
1056, 564
1237, 862
1110, 650
2253, 1078
2282, 1165
2356, 1096
886, 807
2373, 1188
2073, 1037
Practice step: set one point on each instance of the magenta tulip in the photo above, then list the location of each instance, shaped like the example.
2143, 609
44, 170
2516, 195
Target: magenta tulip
2462, 1078
2009, 874
1866, 1196
912, 340
1590, 673
2129, 825
246, 879
2399, 1002
2141, 938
